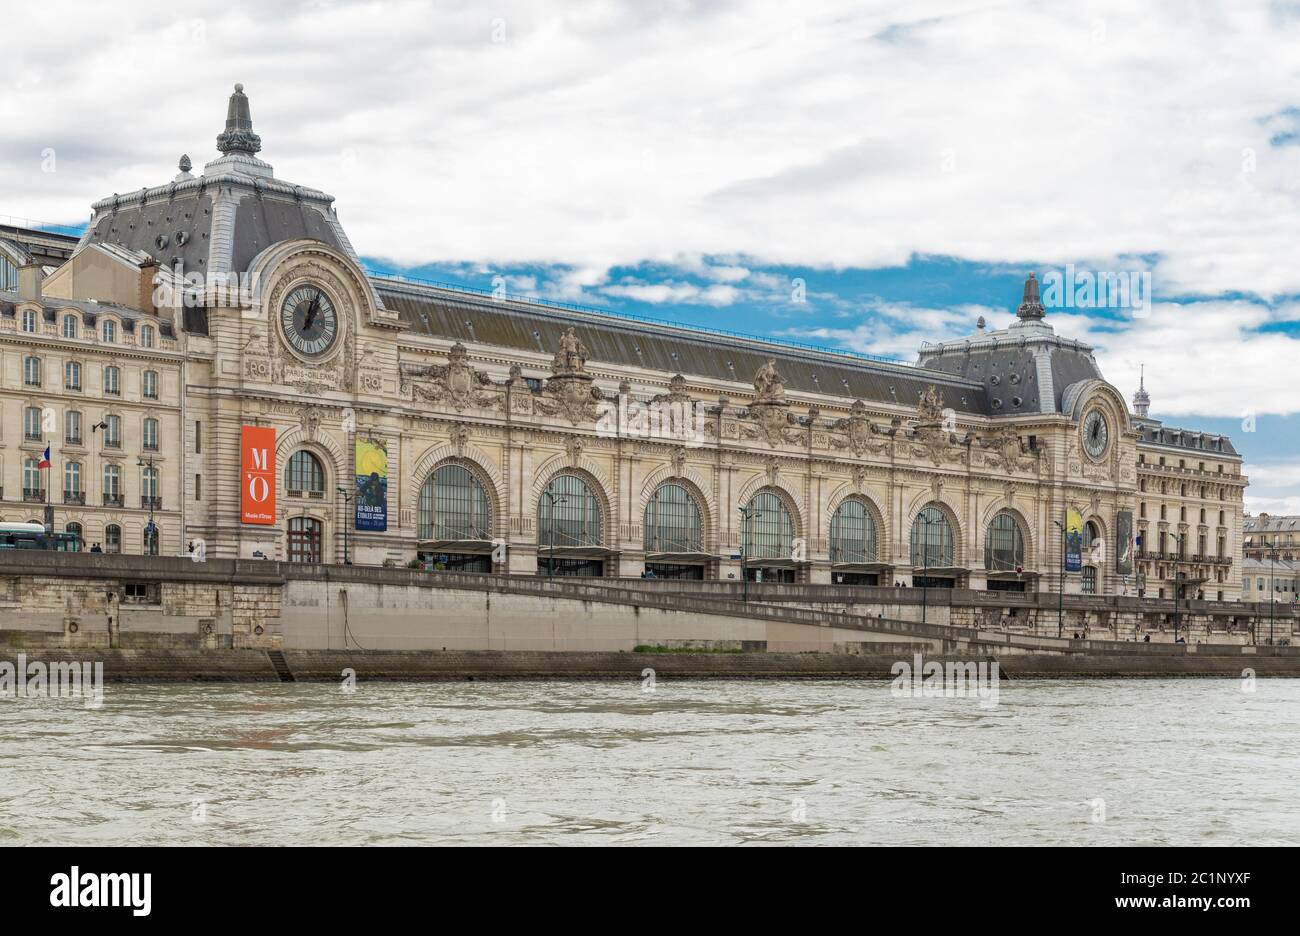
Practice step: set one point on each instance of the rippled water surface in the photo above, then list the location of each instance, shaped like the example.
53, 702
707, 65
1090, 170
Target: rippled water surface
1172, 761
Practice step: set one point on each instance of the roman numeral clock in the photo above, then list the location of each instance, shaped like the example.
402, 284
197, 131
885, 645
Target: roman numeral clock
309, 321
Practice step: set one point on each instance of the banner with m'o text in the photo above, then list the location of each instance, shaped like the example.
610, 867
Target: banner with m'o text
257, 468
372, 485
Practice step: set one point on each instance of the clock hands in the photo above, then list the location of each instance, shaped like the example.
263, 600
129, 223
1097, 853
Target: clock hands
311, 312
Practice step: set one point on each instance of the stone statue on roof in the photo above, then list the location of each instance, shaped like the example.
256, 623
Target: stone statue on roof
768, 384
572, 356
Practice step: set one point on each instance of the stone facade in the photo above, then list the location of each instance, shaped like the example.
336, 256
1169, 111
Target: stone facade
519, 394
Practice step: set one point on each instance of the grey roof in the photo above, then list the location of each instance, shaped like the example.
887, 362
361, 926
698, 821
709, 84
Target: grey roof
1267, 523
1154, 432
525, 326
89, 309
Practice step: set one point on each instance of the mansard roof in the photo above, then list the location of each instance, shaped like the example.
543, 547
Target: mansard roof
1154, 432
522, 325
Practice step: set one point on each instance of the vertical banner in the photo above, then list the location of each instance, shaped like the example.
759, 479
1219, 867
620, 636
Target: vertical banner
257, 463
1073, 540
372, 485
1124, 542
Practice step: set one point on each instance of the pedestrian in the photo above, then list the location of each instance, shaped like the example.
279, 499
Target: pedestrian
95, 548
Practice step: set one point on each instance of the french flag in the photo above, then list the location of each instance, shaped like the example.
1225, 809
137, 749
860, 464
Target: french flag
45, 459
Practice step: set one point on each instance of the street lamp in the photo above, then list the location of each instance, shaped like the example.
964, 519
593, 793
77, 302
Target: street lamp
747, 514
150, 528
347, 500
925, 563
1060, 601
1179, 539
550, 526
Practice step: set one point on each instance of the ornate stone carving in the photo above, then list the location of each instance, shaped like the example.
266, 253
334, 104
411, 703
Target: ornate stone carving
573, 449
769, 422
859, 478
310, 419
459, 438
571, 358
456, 384
1006, 451
859, 432
679, 461
772, 468
676, 391
769, 385
570, 391
932, 431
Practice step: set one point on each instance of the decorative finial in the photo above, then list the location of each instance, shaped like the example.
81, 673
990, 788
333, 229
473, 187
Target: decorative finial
185, 165
238, 137
979, 323
1031, 306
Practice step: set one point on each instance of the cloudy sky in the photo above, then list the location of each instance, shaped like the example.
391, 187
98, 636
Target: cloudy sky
861, 175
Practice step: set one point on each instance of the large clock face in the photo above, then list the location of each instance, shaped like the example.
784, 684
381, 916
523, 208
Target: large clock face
309, 321
1095, 433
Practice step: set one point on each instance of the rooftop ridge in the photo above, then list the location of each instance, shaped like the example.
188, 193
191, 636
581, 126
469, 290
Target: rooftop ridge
425, 287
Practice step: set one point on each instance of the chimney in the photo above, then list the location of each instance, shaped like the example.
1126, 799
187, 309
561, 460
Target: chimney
29, 281
148, 270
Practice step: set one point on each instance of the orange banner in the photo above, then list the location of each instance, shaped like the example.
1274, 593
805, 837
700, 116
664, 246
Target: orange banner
257, 488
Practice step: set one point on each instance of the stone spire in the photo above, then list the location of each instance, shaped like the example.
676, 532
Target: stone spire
238, 137
1031, 306
1142, 399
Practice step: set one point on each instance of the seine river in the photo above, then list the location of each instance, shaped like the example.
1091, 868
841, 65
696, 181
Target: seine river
728, 762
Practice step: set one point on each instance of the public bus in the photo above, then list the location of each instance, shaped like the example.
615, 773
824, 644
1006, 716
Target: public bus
33, 536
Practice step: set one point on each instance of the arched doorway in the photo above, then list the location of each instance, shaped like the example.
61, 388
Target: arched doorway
304, 541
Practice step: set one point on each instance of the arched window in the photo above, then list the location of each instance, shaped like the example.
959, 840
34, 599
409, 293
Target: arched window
72, 376
453, 506
112, 381
112, 486
150, 385
72, 483
932, 541
109, 331
75, 530
29, 320
113, 431
150, 434
1004, 544
304, 539
69, 326
146, 336
853, 533
768, 529
112, 538
72, 428
568, 514
32, 371
673, 521
306, 475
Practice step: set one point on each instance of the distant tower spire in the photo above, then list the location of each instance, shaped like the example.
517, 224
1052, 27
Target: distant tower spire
1142, 399
1031, 306
238, 137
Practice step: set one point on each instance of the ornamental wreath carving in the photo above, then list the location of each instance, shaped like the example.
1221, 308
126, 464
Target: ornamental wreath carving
456, 384
859, 432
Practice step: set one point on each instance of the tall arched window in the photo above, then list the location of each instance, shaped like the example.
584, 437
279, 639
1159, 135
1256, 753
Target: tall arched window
932, 541
306, 475
29, 320
453, 506
72, 376
32, 371
72, 493
853, 533
32, 487
304, 539
768, 529
673, 521
112, 538
109, 331
1004, 544
568, 514
75, 530
150, 435
69, 326
112, 486
146, 336
32, 423
149, 385
113, 380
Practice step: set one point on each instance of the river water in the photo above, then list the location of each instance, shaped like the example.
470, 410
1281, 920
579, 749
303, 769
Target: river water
1088, 762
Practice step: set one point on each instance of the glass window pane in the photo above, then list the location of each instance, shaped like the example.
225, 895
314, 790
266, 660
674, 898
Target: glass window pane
673, 522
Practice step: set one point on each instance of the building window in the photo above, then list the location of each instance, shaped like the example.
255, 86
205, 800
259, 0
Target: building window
305, 474
151, 435
568, 514
72, 428
112, 381
932, 540
72, 482
146, 336
768, 528
1090, 580
32, 371
150, 385
109, 331
69, 326
453, 506
72, 376
29, 320
198, 438
198, 487
853, 533
1004, 545
112, 431
673, 521
304, 539
149, 488
74, 529
32, 424
112, 486
151, 539
112, 538
32, 487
